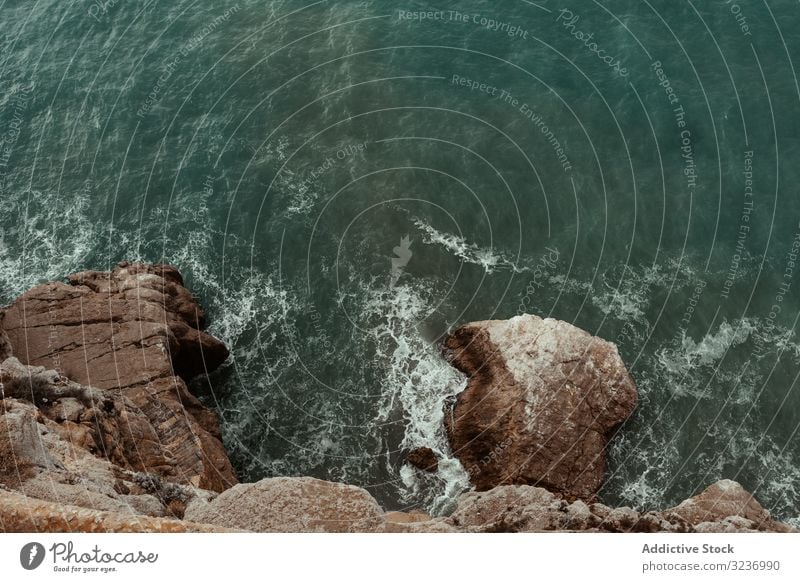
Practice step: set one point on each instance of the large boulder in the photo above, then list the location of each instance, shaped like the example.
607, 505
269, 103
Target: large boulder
134, 334
542, 400
287, 504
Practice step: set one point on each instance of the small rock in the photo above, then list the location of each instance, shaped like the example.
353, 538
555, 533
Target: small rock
424, 459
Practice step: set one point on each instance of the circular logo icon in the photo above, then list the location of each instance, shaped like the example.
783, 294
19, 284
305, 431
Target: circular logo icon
31, 555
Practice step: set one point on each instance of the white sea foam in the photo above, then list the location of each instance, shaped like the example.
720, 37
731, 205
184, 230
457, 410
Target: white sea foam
418, 381
713, 346
45, 236
685, 353
642, 486
625, 293
250, 309
490, 260
714, 379
678, 362
645, 490
414, 381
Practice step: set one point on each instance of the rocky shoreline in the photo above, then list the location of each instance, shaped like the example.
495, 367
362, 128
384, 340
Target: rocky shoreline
100, 432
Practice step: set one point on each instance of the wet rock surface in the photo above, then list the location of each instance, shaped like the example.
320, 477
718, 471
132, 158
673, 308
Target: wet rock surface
135, 336
542, 400
423, 459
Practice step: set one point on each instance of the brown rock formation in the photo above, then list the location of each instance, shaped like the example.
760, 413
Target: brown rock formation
110, 440
712, 510
133, 334
21, 454
286, 504
524, 508
21, 514
723, 507
423, 459
70, 450
542, 401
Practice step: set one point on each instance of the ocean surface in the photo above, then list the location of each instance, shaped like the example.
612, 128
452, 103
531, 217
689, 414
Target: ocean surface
343, 182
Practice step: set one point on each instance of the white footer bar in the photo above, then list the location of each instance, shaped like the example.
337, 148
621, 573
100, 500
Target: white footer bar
378, 557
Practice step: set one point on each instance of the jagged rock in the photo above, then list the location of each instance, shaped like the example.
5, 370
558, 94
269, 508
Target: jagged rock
22, 455
21, 514
133, 443
722, 500
286, 504
423, 459
44, 459
730, 524
723, 507
135, 335
542, 400
509, 509
92, 422
621, 519
45, 387
55, 487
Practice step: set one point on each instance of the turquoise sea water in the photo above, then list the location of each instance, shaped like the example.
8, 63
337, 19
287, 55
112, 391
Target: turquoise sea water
342, 182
